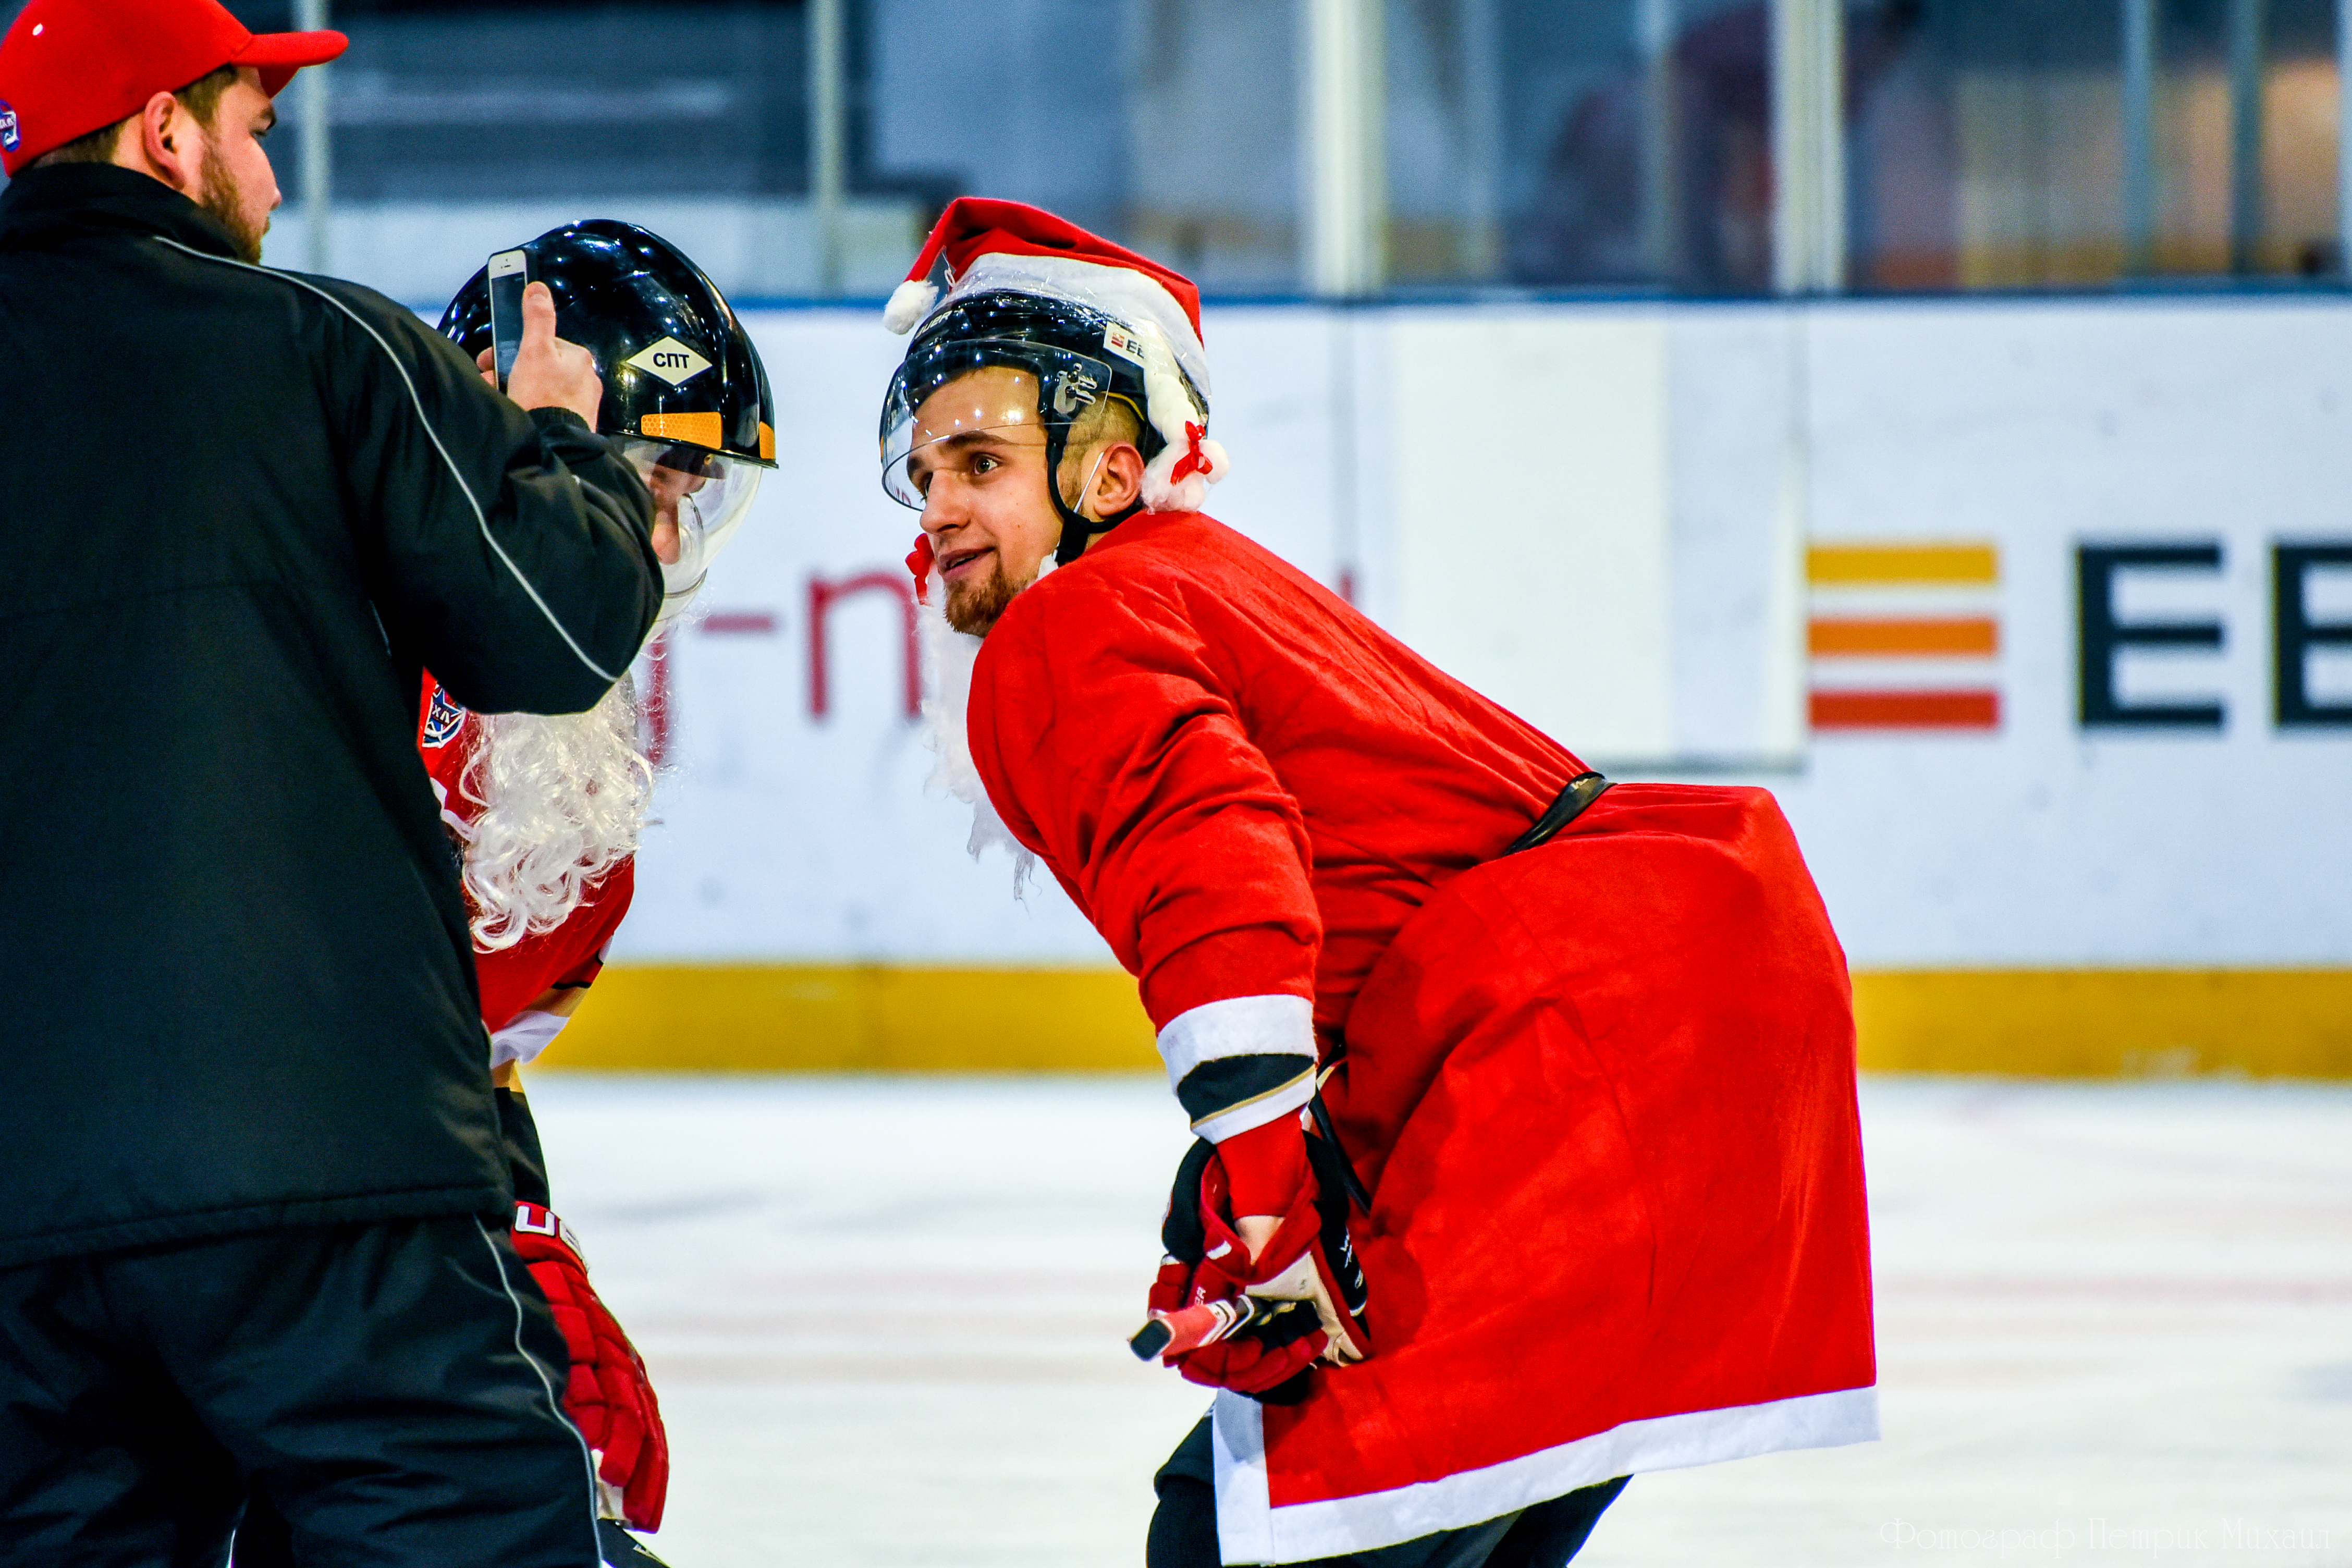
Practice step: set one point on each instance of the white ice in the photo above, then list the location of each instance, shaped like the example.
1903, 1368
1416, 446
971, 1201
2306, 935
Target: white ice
886, 1319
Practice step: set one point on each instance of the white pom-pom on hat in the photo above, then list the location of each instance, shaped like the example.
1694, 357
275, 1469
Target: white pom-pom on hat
910, 302
1163, 492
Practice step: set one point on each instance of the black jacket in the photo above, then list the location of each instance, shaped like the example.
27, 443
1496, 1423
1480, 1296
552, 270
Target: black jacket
238, 510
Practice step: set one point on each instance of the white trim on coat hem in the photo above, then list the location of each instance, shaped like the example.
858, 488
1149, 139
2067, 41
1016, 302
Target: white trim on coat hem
1251, 1531
1237, 1460
1238, 1026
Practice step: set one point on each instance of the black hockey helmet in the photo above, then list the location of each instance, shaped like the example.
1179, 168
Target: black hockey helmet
1077, 354
686, 397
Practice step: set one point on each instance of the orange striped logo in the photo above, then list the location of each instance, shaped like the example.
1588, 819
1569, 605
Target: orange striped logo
1892, 636
1904, 634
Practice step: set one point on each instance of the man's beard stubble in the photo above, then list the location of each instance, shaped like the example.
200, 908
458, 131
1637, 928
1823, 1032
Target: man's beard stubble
216, 192
973, 607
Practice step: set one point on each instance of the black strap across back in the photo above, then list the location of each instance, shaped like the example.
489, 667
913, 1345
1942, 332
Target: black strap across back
1582, 791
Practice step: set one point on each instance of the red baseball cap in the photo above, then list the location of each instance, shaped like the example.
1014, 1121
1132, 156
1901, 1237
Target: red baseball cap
69, 67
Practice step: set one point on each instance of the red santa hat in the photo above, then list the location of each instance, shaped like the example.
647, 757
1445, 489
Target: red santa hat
994, 245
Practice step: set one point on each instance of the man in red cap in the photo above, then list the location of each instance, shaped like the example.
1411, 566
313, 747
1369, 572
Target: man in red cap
175, 88
255, 1213
1528, 1155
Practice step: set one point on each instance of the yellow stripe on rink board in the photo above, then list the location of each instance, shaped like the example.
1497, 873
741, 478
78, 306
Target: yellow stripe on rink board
857, 1018
1897, 564
2105, 1022
849, 1018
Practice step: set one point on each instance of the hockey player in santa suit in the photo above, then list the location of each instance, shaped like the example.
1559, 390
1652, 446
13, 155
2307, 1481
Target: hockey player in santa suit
1581, 1194
546, 811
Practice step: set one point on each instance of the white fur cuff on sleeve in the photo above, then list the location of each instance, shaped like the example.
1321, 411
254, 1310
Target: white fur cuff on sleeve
1238, 1026
1242, 1062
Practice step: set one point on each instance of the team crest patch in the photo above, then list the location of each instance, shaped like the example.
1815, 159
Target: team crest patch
443, 719
9, 134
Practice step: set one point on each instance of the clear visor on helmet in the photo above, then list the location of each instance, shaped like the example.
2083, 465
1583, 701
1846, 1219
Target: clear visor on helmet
701, 498
936, 396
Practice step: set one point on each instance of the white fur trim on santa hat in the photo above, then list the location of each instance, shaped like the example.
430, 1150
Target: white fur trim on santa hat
1120, 292
1189, 493
910, 302
1171, 355
1175, 418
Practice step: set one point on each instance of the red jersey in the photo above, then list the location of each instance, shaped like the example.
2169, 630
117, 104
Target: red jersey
1182, 737
567, 958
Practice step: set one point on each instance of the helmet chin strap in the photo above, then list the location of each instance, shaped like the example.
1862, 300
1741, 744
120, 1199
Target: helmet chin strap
1077, 528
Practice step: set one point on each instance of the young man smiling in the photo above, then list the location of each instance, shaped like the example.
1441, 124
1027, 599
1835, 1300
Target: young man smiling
1529, 1155
980, 476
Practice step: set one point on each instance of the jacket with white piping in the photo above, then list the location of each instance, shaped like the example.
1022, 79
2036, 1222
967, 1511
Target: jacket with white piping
251, 508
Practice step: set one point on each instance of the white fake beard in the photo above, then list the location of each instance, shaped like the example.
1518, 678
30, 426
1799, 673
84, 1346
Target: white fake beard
948, 659
563, 800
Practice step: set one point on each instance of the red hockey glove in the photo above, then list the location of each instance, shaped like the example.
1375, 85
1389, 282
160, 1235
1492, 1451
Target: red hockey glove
607, 1393
1311, 1259
1265, 1358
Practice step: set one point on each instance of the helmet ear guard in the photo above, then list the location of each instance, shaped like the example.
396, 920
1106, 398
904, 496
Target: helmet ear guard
1078, 531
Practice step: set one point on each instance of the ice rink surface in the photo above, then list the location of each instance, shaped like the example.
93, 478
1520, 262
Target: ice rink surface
2115, 1321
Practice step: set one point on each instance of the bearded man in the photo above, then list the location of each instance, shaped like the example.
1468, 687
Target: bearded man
1581, 1194
254, 1215
546, 810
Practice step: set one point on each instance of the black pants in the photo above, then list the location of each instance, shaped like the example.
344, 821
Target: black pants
386, 1387
1184, 1526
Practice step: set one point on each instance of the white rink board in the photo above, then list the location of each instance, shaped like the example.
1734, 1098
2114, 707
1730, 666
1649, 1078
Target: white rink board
1732, 434
788, 836
2041, 427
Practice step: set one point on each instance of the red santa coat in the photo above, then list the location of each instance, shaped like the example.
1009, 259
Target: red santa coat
568, 958
1603, 1090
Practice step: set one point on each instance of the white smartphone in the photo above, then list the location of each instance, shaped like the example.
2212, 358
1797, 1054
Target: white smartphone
509, 272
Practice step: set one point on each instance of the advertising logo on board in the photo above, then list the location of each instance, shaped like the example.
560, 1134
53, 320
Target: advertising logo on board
1904, 634
1907, 635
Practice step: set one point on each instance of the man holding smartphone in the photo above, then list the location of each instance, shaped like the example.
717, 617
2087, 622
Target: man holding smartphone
253, 1208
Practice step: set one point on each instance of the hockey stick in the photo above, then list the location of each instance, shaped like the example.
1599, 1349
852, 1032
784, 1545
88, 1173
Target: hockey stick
1173, 1333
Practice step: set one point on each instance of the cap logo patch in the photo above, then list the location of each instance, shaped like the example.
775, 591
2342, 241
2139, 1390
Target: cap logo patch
670, 359
1122, 342
9, 134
